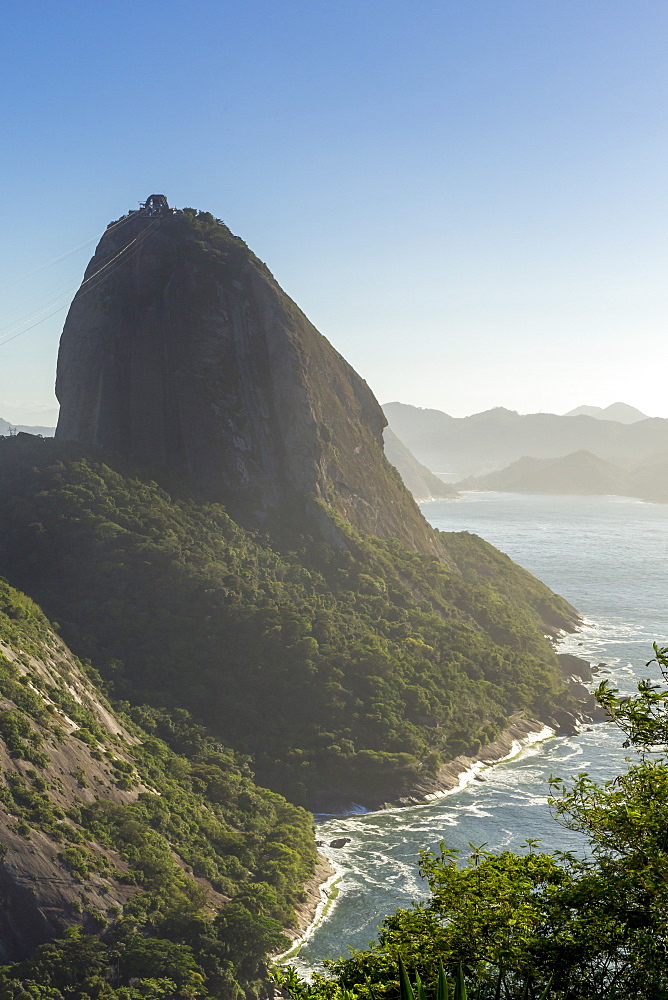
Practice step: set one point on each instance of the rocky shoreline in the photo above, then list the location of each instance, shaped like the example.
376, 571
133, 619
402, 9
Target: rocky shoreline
309, 913
453, 775
521, 732
456, 774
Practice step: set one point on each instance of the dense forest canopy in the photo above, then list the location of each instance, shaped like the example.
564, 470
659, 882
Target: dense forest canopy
345, 672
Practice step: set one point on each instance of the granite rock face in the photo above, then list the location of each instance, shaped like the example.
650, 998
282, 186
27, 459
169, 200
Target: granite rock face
181, 352
40, 893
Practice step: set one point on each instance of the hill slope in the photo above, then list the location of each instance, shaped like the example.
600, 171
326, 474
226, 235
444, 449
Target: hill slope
417, 478
650, 482
340, 670
100, 816
580, 473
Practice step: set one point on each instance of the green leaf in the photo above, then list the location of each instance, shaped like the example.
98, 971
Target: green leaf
442, 991
546, 991
460, 985
421, 995
404, 982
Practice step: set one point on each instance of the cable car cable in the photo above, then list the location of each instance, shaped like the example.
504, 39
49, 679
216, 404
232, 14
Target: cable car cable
6, 334
78, 293
68, 253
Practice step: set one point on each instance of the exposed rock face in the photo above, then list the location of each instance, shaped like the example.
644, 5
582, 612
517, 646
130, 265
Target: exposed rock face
185, 354
41, 896
570, 665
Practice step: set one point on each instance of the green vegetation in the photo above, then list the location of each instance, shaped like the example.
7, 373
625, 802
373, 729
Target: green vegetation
352, 663
534, 924
353, 670
211, 244
21, 739
348, 669
205, 241
442, 988
211, 864
127, 967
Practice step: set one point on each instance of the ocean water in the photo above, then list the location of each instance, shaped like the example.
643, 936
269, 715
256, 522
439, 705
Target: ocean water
608, 557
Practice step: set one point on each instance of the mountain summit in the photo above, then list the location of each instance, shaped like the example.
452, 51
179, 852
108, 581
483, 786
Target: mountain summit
181, 352
620, 412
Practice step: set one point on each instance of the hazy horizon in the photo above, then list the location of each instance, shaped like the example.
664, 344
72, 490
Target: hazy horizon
42, 415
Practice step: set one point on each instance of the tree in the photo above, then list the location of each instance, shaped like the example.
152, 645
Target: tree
157, 958
74, 964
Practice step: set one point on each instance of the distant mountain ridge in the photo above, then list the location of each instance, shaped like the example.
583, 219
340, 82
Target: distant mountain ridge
621, 412
490, 441
8, 428
580, 473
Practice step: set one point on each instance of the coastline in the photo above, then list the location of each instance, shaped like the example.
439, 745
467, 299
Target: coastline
319, 896
452, 777
457, 773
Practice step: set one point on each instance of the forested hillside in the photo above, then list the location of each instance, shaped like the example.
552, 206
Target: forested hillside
588, 924
343, 672
138, 827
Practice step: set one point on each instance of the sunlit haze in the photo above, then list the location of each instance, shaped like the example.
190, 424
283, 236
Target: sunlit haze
467, 198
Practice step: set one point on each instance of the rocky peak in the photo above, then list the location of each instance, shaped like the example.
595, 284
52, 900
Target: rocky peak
181, 351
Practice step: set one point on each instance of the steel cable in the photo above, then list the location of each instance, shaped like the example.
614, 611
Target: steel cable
11, 334
68, 253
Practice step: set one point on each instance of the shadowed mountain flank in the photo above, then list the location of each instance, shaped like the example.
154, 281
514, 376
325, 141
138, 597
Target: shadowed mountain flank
182, 352
100, 817
420, 480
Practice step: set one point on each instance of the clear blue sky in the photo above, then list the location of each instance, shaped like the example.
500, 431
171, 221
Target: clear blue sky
467, 197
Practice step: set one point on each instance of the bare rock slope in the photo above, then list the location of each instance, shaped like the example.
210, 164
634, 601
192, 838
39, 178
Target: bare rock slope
181, 351
100, 818
51, 763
